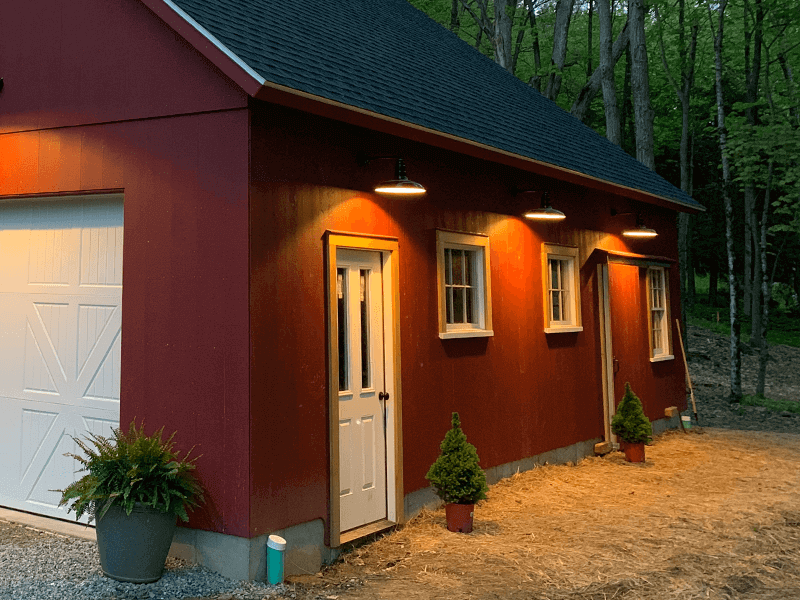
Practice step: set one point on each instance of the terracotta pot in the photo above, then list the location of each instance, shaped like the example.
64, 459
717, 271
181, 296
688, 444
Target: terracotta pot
634, 452
459, 517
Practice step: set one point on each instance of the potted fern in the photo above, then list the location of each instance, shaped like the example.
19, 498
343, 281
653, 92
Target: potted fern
632, 426
457, 478
135, 487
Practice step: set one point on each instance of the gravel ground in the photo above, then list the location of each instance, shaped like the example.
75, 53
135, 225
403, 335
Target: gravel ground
38, 565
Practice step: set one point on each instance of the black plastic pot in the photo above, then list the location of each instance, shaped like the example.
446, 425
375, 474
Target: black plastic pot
134, 547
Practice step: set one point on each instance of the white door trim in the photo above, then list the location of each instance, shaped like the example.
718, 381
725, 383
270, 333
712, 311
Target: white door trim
606, 351
388, 248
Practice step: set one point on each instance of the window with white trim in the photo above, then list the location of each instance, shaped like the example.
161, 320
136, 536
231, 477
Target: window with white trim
658, 322
561, 286
464, 285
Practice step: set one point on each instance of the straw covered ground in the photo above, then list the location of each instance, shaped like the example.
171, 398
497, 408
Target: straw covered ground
712, 514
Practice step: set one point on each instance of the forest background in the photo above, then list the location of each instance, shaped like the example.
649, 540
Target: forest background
704, 93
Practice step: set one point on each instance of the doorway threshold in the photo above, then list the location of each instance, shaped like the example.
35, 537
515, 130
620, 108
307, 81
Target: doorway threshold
365, 530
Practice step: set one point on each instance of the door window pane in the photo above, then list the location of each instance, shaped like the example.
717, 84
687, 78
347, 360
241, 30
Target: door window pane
366, 354
341, 309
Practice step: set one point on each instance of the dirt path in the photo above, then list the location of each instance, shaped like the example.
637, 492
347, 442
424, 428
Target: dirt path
711, 514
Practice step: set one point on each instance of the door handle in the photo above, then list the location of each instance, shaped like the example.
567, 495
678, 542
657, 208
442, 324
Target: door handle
383, 396
616, 365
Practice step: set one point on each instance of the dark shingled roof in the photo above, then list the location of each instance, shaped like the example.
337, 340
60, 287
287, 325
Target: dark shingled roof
387, 57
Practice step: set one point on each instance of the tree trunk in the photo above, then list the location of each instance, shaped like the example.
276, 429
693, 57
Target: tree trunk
503, 19
684, 92
613, 129
628, 142
763, 352
455, 24
735, 353
713, 279
752, 66
581, 105
755, 289
640, 85
559, 57
536, 80
589, 47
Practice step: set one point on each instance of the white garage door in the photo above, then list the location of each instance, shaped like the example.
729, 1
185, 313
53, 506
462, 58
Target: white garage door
60, 309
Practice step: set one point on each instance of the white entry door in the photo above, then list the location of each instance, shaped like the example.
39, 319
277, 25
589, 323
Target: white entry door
362, 426
60, 317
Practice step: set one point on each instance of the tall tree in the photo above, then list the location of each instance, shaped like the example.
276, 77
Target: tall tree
584, 98
687, 58
735, 350
607, 63
559, 56
640, 85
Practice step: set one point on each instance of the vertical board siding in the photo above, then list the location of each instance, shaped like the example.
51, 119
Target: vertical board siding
184, 347
73, 63
519, 393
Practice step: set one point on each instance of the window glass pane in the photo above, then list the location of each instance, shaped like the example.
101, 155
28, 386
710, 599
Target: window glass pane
565, 305
554, 283
366, 355
458, 267
458, 305
341, 309
556, 305
470, 293
448, 296
448, 266
469, 264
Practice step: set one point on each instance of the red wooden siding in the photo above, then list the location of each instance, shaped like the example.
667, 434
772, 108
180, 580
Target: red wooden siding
519, 393
68, 62
185, 330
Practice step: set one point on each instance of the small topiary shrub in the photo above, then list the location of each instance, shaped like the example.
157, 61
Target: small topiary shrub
630, 422
456, 476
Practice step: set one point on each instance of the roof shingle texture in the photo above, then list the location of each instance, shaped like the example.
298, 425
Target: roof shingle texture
387, 57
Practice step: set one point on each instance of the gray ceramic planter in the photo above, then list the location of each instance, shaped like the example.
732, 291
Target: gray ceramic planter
134, 547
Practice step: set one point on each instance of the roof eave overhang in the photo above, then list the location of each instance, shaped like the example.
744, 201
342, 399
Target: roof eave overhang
253, 84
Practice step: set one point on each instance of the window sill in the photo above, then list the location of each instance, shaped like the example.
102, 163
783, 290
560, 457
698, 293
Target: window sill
566, 329
465, 333
662, 358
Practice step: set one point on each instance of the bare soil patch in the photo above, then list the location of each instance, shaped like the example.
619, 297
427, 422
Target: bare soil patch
711, 514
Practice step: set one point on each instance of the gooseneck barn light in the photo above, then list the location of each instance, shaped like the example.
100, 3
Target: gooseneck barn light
401, 185
640, 231
545, 212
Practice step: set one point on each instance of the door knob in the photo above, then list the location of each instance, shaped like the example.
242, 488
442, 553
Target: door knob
383, 396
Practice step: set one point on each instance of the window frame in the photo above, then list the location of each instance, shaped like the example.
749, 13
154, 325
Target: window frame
479, 244
569, 255
667, 351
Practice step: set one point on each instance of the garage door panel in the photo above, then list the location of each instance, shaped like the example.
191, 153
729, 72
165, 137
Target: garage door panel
60, 340
46, 348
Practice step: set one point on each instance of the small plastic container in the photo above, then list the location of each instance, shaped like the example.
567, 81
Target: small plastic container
276, 546
687, 421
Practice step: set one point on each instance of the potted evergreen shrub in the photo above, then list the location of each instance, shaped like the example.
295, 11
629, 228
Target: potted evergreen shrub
135, 487
457, 478
632, 426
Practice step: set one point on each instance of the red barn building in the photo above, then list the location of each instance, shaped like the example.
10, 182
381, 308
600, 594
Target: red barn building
309, 336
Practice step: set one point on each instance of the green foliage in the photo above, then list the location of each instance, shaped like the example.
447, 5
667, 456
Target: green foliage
630, 422
784, 320
776, 405
456, 475
131, 468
